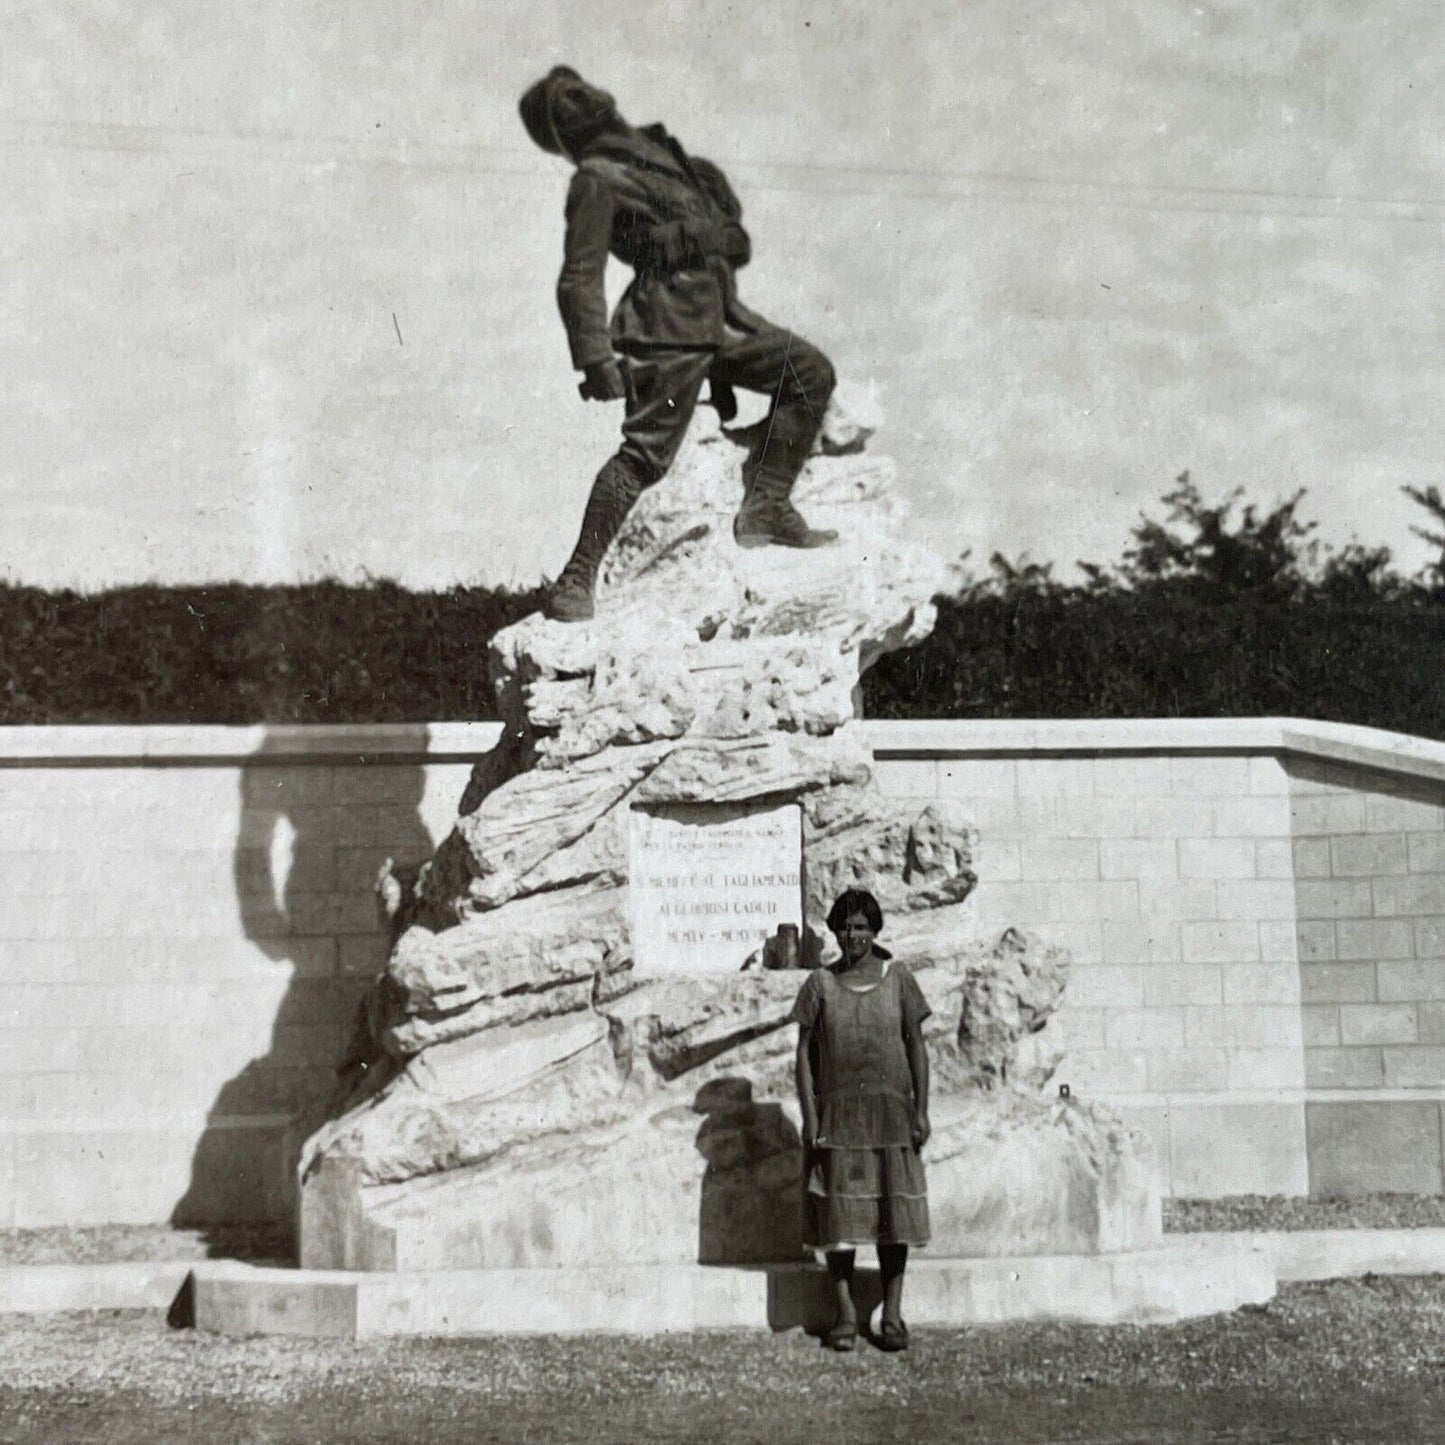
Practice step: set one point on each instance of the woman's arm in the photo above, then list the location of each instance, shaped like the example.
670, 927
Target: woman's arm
807, 1098
918, 1067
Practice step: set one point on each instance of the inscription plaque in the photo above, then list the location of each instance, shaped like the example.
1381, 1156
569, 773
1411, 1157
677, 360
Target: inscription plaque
710, 882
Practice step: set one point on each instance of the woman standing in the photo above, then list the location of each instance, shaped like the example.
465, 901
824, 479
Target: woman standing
862, 1073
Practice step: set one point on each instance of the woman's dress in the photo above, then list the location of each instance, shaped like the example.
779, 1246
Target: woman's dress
865, 1184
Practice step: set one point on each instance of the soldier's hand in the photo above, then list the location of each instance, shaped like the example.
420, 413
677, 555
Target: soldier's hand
724, 400
602, 381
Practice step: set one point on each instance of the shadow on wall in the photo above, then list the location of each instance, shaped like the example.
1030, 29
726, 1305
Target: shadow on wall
751, 1209
310, 841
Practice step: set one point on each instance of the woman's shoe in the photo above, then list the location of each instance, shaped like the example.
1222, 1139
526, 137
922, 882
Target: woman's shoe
892, 1337
842, 1337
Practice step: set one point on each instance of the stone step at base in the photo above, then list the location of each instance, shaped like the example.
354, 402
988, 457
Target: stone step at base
1196, 1276
29, 1289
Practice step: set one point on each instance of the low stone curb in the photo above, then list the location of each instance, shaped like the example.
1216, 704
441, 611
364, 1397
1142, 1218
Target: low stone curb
1307, 1254
1295, 1255
41, 1288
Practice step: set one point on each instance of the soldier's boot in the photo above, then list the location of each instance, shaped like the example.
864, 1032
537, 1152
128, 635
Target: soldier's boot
613, 495
768, 517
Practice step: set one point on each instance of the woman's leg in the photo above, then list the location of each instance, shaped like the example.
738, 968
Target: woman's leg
840, 1272
892, 1261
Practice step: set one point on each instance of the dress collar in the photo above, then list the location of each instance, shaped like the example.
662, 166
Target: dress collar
867, 987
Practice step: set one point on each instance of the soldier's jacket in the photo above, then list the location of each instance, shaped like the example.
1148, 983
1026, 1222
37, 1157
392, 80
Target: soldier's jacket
675, 220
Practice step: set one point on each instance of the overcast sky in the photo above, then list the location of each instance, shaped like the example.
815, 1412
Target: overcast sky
277, 293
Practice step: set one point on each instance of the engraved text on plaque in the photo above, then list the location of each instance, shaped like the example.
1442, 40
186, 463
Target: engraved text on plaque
710, 882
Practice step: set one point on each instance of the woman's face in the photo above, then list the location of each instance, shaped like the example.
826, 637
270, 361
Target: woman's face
855, 937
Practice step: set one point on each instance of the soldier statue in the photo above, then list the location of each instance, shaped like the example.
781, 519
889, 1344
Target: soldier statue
673, 218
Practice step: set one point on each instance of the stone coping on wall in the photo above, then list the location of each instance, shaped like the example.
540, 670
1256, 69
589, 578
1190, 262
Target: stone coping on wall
217, 745
1020, 737
207, 745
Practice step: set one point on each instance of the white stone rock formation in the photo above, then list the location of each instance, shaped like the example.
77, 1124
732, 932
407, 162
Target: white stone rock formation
524, 1094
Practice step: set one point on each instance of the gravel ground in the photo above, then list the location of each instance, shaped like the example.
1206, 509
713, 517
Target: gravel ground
1255, 1212
117, 1243
1358, 1361
123, 1243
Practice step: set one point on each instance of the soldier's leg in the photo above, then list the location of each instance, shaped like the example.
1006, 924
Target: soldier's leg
799, 379
662, 391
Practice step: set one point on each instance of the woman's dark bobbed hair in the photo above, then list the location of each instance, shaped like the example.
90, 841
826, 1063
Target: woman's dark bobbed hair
855, 900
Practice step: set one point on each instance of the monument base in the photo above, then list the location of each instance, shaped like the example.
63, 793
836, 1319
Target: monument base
720, 1182
1186, 1277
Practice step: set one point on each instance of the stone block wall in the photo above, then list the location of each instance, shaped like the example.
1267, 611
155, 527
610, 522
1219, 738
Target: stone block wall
187, 920
1256, 909
1369, 859
1168, 875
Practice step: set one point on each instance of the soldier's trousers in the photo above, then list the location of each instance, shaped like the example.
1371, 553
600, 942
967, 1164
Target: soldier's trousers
663, 388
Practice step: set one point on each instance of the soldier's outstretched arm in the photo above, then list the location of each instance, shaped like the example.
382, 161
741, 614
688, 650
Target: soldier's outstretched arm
581, 293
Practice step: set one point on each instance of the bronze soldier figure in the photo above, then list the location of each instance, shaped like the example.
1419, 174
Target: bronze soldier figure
675, 220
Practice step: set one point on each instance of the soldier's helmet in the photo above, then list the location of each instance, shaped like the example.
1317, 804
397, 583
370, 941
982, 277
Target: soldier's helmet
536, 109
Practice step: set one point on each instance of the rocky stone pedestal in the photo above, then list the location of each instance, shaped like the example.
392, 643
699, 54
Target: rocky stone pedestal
578, 1054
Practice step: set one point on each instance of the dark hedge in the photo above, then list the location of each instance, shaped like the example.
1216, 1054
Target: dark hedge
1156, 653
240, 654
330, 653
1219, 609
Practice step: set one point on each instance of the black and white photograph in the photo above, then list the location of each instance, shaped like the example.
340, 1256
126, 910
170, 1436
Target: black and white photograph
722, 722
